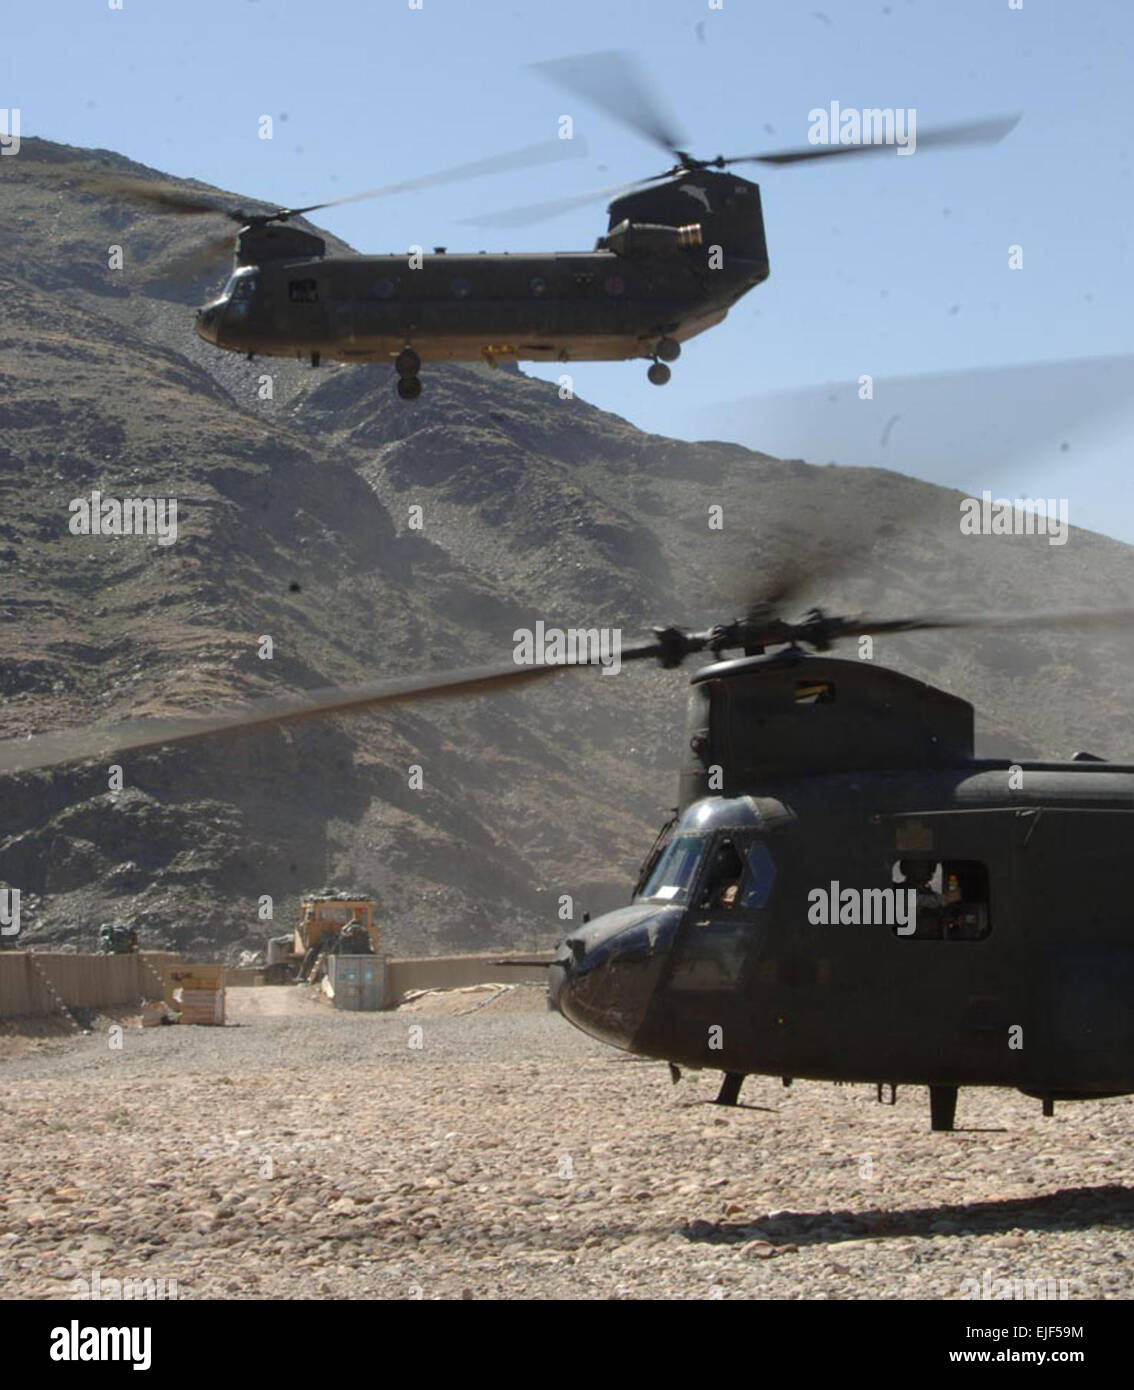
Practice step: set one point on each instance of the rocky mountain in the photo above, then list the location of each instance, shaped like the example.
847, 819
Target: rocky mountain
295, 525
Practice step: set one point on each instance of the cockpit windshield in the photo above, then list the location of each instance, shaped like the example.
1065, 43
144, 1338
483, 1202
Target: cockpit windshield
239, 287
739, 872
675, 871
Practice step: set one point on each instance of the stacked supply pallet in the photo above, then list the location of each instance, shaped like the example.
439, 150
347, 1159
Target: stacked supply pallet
196, 993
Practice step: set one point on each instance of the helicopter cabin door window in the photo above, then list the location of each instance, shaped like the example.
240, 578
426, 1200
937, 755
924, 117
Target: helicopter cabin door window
303, 291
952, 898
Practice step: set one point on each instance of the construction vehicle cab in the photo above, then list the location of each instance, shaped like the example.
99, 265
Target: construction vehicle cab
332, 922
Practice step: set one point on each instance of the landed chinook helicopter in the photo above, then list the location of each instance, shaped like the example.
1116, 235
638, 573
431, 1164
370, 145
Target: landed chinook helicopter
681, 248
767, 933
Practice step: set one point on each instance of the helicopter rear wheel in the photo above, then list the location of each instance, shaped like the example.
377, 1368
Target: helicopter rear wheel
669, 349
409, 387
407, 363
659, 373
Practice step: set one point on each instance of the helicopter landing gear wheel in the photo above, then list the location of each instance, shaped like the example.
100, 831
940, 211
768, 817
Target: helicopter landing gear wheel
669, 349
730, 1088
407, 362
659, 373
942, 1107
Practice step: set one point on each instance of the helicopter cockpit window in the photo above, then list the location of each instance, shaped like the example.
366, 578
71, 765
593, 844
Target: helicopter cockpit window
675, 871
952, 898
303, 291
240, 288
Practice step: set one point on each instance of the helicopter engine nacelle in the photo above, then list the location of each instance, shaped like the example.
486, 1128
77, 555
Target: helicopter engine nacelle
629, 237
276, 242
759, 718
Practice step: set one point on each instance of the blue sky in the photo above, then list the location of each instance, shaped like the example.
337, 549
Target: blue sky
889, 266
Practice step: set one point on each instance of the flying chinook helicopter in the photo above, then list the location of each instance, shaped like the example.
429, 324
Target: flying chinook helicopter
808, 777
681, 247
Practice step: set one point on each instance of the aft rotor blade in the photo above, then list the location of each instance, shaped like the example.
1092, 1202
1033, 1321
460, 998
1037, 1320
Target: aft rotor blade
985, 132
546, 152
86, 743
539, 212
614, 83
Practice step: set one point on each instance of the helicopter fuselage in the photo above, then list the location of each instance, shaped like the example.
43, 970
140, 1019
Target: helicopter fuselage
1014, 968
673, 262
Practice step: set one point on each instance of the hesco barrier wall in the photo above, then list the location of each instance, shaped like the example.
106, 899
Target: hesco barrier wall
454, 972
91, 982
82, 982
426, 972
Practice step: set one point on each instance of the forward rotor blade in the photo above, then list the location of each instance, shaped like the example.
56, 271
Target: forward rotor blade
546, 152
160, 195
613, 83
189, 264
985, 132
171, 199
1097, 619
84, 744
640, 651
785, 577
776, 571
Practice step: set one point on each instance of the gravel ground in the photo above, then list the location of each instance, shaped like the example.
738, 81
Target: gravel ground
303, 1153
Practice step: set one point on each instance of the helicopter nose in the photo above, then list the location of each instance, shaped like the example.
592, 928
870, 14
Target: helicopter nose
208, 322
605, 973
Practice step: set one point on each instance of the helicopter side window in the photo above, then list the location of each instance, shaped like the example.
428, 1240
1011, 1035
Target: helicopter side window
952, 898
303, 291
675, 871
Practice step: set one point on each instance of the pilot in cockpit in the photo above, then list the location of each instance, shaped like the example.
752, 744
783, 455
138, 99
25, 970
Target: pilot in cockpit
722, 883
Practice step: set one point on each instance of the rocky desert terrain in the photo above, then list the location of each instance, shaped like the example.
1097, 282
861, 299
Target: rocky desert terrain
473, 1145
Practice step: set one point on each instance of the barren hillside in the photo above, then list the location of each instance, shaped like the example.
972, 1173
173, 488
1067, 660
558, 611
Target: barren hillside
293, 520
